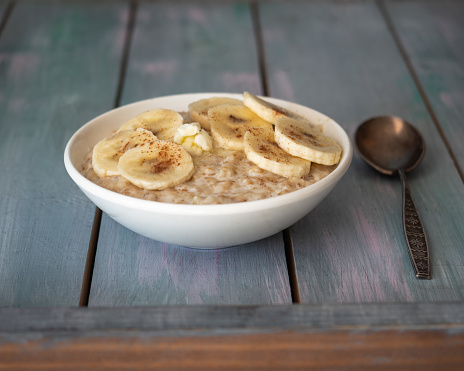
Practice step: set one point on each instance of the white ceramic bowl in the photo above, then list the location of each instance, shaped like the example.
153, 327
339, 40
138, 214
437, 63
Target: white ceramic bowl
200, 226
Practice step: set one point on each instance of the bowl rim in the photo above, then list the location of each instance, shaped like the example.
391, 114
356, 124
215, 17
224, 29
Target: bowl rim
287, 199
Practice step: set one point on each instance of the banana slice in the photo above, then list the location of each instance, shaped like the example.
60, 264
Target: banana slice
302, 140
199, 110
156, 165
106, 153
161, 122
267, 111
263, 151
229, 123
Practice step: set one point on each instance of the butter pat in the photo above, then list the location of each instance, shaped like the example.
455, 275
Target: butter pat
193, 138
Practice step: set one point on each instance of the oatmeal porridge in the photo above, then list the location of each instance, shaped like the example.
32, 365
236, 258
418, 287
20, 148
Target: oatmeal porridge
220, 175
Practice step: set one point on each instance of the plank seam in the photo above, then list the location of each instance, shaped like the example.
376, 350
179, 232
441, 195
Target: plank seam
291, 266
254, 9
6, 16
287, 238
92, 251
125, 53
417, 82
90, 261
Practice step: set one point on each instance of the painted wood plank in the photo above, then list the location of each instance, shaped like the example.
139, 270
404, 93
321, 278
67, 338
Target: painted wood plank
242, 318
180, 48
55, 75
348, 337
433, 36
351, 248
341, 349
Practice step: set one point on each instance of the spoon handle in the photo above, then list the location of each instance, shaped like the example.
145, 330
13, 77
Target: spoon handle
414, 233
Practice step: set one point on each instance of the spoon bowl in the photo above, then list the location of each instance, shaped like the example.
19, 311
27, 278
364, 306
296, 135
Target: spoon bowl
391, 145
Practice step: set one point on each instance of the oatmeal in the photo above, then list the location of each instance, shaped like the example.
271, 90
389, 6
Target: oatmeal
235, 153
221, 176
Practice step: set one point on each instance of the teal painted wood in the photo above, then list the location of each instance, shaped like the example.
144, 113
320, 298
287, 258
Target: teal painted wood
351, 248
58, 68
433, 35
176, 49
185, 48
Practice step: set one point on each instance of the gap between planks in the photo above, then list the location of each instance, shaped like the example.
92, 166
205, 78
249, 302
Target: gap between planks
6, 15
391, 27
287, 237
254, 10
90, 261
92, 251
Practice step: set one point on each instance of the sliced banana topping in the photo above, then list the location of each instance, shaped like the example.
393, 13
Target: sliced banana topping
193, 138
263, 151
199, 110
154, 149
302, 140
266, 110
156, 165
106, 153
229, 123
161, 122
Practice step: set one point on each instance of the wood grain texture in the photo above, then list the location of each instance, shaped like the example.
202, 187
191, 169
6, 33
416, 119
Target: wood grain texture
338, 350
353, 337
351, 248
179, 48
187, 48
55, 75
433, 35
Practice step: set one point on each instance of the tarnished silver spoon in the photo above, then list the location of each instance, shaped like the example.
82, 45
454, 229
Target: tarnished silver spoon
392, 145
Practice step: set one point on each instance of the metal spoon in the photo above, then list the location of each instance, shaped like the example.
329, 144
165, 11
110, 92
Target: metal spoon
392, 145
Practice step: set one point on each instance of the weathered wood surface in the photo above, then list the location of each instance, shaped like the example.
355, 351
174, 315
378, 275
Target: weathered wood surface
337, 350
55, 75
433, 36
243, 318
351, 248
326, 336
182, 47
179, 48
59, 67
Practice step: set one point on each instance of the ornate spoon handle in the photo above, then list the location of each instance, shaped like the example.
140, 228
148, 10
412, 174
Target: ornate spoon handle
414, 233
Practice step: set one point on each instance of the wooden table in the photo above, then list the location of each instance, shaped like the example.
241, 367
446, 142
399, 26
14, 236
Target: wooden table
335, 291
